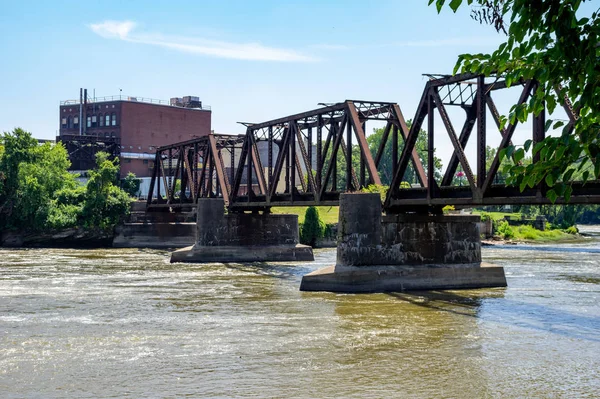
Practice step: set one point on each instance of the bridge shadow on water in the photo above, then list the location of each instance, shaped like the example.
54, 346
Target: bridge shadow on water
446, 301
280, 271
495, 308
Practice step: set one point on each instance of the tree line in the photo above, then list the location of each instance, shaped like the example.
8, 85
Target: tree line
38, 193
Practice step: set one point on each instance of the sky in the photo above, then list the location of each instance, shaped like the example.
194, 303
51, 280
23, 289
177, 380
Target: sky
251, 61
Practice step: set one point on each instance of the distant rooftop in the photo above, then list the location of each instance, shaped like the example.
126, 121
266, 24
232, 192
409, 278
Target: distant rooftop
180, 102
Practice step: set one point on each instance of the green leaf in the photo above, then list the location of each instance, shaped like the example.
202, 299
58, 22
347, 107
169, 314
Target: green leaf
522, 185
537, 147
509, 151
519, 154
586, 175
567, 193
454, 4
549, 180
568, 174
551, 194
527, 145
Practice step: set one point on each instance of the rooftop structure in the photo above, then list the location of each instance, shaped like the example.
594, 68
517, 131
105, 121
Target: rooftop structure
128, 127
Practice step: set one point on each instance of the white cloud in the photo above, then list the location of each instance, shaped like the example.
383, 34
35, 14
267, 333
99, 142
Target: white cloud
123, 30
113, 29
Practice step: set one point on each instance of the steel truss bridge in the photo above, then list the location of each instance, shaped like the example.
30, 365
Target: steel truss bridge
307, 158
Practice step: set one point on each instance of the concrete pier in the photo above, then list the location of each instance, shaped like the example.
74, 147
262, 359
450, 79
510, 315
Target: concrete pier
242, 237
403, 252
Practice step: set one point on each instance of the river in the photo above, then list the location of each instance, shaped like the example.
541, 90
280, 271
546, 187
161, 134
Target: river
126, 323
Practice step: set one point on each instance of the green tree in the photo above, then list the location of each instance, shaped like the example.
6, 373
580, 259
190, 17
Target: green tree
30, 177
385, 164
18, 147
105, 203
38, 183
131, 184
548, 41
312, 228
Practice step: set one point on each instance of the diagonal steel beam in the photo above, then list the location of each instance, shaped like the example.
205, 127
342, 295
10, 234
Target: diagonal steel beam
463, 139
420, 171
218, 164
457, 147
505, 141
333, 157
409, 146
362, 143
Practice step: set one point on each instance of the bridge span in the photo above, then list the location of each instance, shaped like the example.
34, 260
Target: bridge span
312, 157
322, 157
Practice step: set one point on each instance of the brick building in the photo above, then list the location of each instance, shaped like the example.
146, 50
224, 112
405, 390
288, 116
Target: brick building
128, 127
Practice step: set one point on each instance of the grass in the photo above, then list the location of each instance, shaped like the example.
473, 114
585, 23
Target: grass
528, 233
498, 215
328, 214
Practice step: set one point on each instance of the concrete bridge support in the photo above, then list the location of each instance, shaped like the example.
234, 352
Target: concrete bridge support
242, 237
403, 252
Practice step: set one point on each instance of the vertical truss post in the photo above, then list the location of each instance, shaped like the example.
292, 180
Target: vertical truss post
430, 148
249, 166
153, 179
394, 147
292, 132
319, 152
539, 126
311, 186
270, 157
334, 153
349, 157
481, 131
362, 163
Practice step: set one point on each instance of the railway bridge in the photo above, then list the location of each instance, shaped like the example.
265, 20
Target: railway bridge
322, 157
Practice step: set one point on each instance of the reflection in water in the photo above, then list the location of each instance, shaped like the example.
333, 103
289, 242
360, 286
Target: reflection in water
101, 323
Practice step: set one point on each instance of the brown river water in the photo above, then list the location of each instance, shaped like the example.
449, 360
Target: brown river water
126, 323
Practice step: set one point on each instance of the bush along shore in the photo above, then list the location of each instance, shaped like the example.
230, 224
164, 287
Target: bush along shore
503, 231
42, 204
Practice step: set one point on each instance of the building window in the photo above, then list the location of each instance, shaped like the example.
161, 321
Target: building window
75, 122
63, 122
107, 119
69, 122
94, 121
114, 119
89, 121
101, 119
145, 162
106, 134
112, 134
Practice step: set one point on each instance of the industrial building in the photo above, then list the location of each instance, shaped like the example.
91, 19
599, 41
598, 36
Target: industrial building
130, 128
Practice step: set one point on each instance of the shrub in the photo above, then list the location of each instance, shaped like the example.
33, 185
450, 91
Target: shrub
376, 189
312, 228
484, 216
450, 208
505, 230
131, 184
572, 230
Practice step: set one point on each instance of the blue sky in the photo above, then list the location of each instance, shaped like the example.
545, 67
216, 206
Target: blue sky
250, 60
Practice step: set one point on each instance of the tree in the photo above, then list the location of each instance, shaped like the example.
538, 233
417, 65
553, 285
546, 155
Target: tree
105, 203
385, 164
312, 228
131, 184
549, 42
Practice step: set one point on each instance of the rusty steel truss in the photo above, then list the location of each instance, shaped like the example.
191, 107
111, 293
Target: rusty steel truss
473, 94
186, 171
312, 157
296, 159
